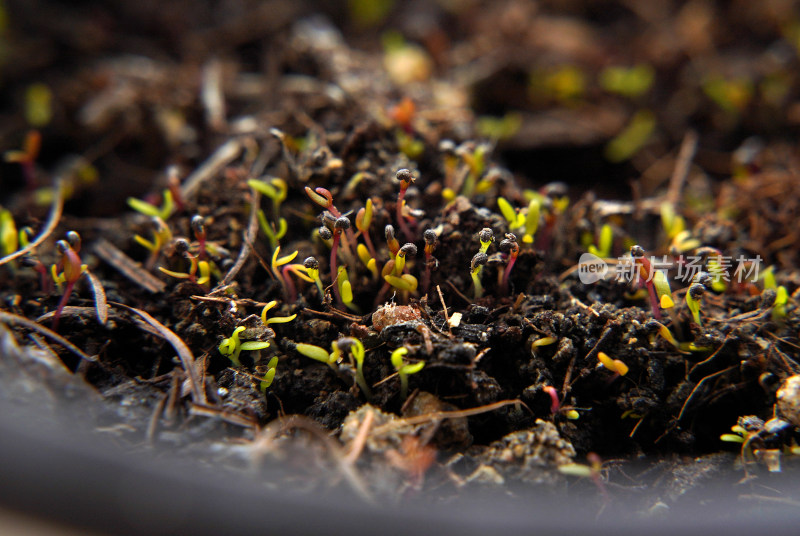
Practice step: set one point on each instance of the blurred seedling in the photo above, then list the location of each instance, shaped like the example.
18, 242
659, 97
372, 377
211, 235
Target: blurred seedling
632, 138
166, 209
406, 179
199, 271
404, 369
277, 190
604, 242
630, 82
555, 404
526, 220
26, 157
618, 367
594, 471
162, 236
232, 346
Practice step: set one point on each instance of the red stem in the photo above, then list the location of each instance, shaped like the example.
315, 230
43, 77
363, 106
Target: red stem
62, 303
334, 270
506, 273
401, 221
291, 290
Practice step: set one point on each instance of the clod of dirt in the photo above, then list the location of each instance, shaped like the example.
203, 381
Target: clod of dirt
789, 399
528, 455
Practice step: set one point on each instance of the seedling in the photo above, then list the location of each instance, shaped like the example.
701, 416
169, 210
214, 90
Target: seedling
363, 221
70, 263
266, 381
430, 261
614, 365
404, 369
486, 237
368, 260
604, 242
319, 354
555, 402
395, 276
274, 319
646, 276
356, 350
164, 212
510, 247
311, 264
340, 225
346, 290
276, 189
195, 266
232, 346
27, 157
694, 295
475, 266
406, 179
9, 237
161, 237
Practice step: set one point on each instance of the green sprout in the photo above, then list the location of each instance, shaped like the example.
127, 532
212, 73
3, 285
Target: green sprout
404, 369
164, 212
232, 346
9, 237
274, 319
195, 266
604, 243
632, 138
630, 82
311, 264
276, 189
356, 350
363, 221
346, 290
475, 267
319, 354
266, 381
161, 237
368, 260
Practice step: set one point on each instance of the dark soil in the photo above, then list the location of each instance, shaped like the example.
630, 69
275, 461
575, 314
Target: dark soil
236, 90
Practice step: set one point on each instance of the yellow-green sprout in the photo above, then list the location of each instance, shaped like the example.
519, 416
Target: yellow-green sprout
404, 369
311, 264
274, 319
164, 212
632, 138
604, 243
232, 346
9, 237
614, 365
663, 290
162, 235
346, 290
318, 353
356, 350
266, 381
629, 82
368, 260
476, 265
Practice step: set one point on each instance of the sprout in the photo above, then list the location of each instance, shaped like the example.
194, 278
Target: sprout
231, 347
478, 261
404, 369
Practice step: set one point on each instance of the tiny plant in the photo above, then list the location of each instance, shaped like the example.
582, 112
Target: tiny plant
356, 350
510, 248
604, 242
161, 237
232, 346
201, 268
269, 376
274, 319
70, 269
404, 369
164, 212
430, 261
406, 179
